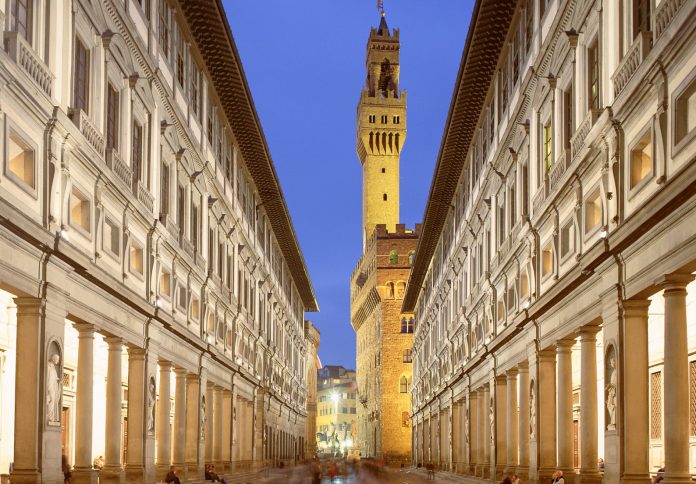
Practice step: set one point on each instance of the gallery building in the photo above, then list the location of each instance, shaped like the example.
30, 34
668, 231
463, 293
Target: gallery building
552, 284
152, 287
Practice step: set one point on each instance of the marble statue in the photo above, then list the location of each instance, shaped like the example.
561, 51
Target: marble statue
610, 390
54, 390
151, 398
532, 412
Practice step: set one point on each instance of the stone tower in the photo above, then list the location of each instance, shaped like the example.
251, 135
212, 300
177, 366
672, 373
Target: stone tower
381, 131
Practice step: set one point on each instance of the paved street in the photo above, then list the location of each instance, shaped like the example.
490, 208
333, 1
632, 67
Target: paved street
302, 475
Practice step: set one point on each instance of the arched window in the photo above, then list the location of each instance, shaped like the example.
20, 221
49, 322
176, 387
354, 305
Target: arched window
390, 286
403, 385
393, 257
404, 325
411, 257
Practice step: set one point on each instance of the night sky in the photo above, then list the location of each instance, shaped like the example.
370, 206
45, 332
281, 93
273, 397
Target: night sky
305, 63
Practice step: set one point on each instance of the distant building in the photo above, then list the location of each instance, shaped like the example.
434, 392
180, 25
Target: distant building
336, 409
384, 334
313, 364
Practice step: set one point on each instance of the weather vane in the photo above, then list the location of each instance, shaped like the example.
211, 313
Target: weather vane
380, 6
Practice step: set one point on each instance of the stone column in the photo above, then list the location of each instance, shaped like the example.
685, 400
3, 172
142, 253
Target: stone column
589, 473
209, 420
216, 436
163, 429
676, 381
227, 429
179, 448
37, 449
484, 432
84, 405
546, 417
135, 465
474, 459
523, 458
112, 471
193, 426
456, 440
499, 443
511, 422
564, 408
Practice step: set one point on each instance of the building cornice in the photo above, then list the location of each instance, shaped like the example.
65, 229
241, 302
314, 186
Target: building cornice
487, 32
211, 31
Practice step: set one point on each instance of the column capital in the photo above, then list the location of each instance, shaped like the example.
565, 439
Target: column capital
564, 345
636, 307
85, 329
589, 331
29, 304
512, 373
180, 372
674, 281
523, 366
547, 354
114, 342
136, 353
165, 365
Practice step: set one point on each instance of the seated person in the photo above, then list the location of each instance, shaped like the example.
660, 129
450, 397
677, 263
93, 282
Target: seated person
171, 476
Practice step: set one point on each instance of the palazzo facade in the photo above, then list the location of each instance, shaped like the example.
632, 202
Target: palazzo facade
384, 334
552, 284
152, 287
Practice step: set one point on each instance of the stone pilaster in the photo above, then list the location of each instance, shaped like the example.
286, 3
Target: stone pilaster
564, 409
209, 421
179, 454
676, 381
135, 463
216, 436
84, 472
227, 430
194, 427
499, 426
113, 471
546, 418
511, 422
589, 473
523, 421
474, 446
163, 429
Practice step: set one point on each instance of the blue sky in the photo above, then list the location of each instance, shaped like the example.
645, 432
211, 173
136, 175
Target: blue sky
305, 63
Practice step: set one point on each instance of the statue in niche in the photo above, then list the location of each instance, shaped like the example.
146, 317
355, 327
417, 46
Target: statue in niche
610, 389
151, 398
491, 411
54, 387
204, 418
532, 412
466, 424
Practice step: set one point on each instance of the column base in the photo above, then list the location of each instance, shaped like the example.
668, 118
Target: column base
676, 478
161, 471
134, 475
523, 473
194, 471
594, 477
28, 477
500, 471
544, 474
83, 476
111, 475
634, 479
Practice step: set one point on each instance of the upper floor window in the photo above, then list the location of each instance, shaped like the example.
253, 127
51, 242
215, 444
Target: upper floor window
145, 6
547, 145
685, 113
194, 99
20, 160
641, 17
393, 257
164, 191
385, 119
396, 119
593, 211
20, 12
403, 385
528, 24
568, 114
372, 118
180, 60
137, 153
407, 325
411, 257
408, 357
81, 77
181, 208
593, 74
80, 215
641, 159
163, 18
112, 108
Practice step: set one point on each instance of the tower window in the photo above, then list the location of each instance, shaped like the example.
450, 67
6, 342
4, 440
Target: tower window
384, 119
384, 197
384, 170
372, 118
396, 120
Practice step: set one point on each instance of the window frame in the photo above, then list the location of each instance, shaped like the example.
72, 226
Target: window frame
687, 138
137, 242
633, 190
111, 221
77, 187
587, 234
10, 126
81, 76
11, 13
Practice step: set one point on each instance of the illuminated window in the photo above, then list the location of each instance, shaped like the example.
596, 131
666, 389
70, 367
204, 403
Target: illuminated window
403, 384
547, 259
524, 286
165, 284
547, 146
80, 210
593, 211
182, 299
195, 308
136, 258
20, 160
641, 159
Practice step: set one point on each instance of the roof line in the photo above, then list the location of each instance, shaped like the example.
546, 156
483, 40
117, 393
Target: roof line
456, 138
227, 76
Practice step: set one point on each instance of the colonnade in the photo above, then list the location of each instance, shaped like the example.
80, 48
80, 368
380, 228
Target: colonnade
519, 417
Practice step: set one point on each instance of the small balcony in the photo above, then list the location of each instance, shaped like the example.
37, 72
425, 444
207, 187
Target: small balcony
664, 14
118, 166
144, 196
88, 130
631, 61
23, 54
